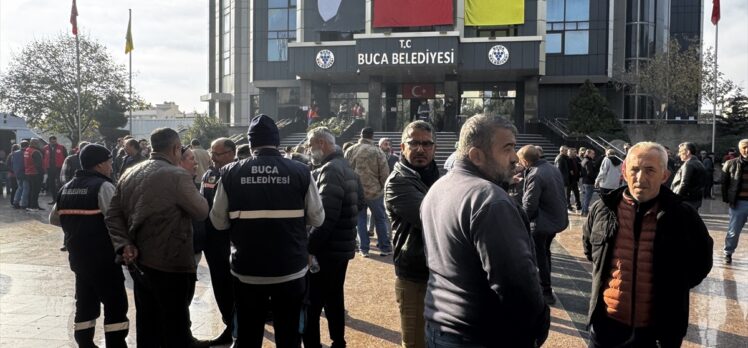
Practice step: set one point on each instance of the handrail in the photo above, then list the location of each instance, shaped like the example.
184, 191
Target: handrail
555, 127
609, 144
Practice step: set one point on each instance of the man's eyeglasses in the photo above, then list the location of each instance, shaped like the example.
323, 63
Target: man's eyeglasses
216, 154
426, 145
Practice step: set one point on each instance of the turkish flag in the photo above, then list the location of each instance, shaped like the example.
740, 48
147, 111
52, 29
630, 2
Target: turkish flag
74, 18
412, 13
412, 91
715, 12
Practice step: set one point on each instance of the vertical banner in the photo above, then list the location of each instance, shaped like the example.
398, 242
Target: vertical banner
494, 12
412, 13
335, 15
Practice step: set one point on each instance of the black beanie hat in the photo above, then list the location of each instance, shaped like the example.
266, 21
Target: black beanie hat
263, 132
93, 154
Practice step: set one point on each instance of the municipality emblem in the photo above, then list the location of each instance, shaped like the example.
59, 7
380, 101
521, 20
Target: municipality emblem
325, 59
498, 55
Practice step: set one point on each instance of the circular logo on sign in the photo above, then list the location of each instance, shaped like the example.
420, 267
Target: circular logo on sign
498, 55
325, 59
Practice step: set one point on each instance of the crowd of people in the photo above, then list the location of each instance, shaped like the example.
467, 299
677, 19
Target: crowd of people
471, 248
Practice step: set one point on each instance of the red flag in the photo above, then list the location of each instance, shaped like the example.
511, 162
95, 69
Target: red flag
715, 12
74, 18
411, 91
412, 13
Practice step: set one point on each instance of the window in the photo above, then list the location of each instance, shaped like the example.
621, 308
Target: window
567, 28
226, 42
281, 28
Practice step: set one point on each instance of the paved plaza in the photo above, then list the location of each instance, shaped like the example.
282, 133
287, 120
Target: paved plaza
37, 292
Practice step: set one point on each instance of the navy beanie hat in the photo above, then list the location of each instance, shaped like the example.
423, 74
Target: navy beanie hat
263, 132
93, 154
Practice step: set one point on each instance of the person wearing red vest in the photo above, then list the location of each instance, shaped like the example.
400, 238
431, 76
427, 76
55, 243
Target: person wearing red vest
34, 170
54, 157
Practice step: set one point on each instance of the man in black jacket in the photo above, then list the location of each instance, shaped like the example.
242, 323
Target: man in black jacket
483, 287
691, 176
334, 243
404, 190
132, 148
648, 249
590, 169
80, 209
544, 203
735, 194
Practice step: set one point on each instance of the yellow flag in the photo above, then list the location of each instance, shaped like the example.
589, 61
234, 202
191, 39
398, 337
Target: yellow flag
128, 39
494, 12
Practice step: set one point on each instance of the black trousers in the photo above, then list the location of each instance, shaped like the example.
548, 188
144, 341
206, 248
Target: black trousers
217, 254
53, 182
573, 187
93, 289
35, 186
252, 305
326, 290
162, 300
12, 188
543, 256
606, 332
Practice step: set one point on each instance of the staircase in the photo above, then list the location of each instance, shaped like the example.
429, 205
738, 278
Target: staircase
445, 143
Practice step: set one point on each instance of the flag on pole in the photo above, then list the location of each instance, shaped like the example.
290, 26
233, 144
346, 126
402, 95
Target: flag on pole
715, 12
74, 18
128, 39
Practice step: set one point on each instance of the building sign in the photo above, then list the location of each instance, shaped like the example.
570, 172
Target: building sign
325, 59
498, 55
426, 51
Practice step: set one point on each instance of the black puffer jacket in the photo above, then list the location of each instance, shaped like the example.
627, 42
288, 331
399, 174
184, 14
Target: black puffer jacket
732, 179
339, 188
403, 193
682, 258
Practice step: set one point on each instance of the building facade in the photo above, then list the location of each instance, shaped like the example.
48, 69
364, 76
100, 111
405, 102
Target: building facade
388, 61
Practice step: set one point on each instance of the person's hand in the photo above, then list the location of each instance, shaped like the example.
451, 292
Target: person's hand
129, 254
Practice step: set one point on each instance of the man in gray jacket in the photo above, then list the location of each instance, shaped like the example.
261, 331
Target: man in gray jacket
150, 224
544, 203
483, 287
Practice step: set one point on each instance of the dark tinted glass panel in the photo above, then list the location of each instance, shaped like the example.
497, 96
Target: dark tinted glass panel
632, 10
555, 10
277, 3
576, 42
278, 19
553, 43
577, 10
647, 11
291, 19
630, 41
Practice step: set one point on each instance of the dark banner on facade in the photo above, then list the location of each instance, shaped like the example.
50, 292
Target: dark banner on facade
412, 13
334, 15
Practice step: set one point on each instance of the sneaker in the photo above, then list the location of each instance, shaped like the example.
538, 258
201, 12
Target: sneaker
63, 249
364, 254
385, 253
728, 259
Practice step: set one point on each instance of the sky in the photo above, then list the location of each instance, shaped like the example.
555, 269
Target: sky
170, 59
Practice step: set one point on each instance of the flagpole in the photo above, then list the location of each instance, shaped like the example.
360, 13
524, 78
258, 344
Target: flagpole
130, 104
716, 77
78, 82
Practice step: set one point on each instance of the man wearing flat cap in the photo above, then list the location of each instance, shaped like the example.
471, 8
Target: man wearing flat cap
266, 201
80, 209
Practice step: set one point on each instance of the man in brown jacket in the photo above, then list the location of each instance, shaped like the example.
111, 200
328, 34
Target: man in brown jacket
150, 223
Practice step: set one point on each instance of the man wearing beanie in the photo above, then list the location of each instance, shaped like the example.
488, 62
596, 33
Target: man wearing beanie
265, 202
150, 222
80, 209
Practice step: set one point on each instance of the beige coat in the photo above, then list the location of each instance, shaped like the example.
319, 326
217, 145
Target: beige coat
370, 163
202, 158
153, 208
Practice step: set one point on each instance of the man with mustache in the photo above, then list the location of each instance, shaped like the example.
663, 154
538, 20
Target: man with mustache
404, 190
648, 249
483, 287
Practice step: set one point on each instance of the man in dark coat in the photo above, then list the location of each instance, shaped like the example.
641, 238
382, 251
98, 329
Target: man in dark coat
648, 250
690, 178
403, 192
134, 156
544, 203
333, 244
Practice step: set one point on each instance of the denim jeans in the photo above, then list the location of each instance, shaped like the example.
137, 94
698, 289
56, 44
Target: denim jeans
435, 338
22, 195
376, 206
738, 216
589, 190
